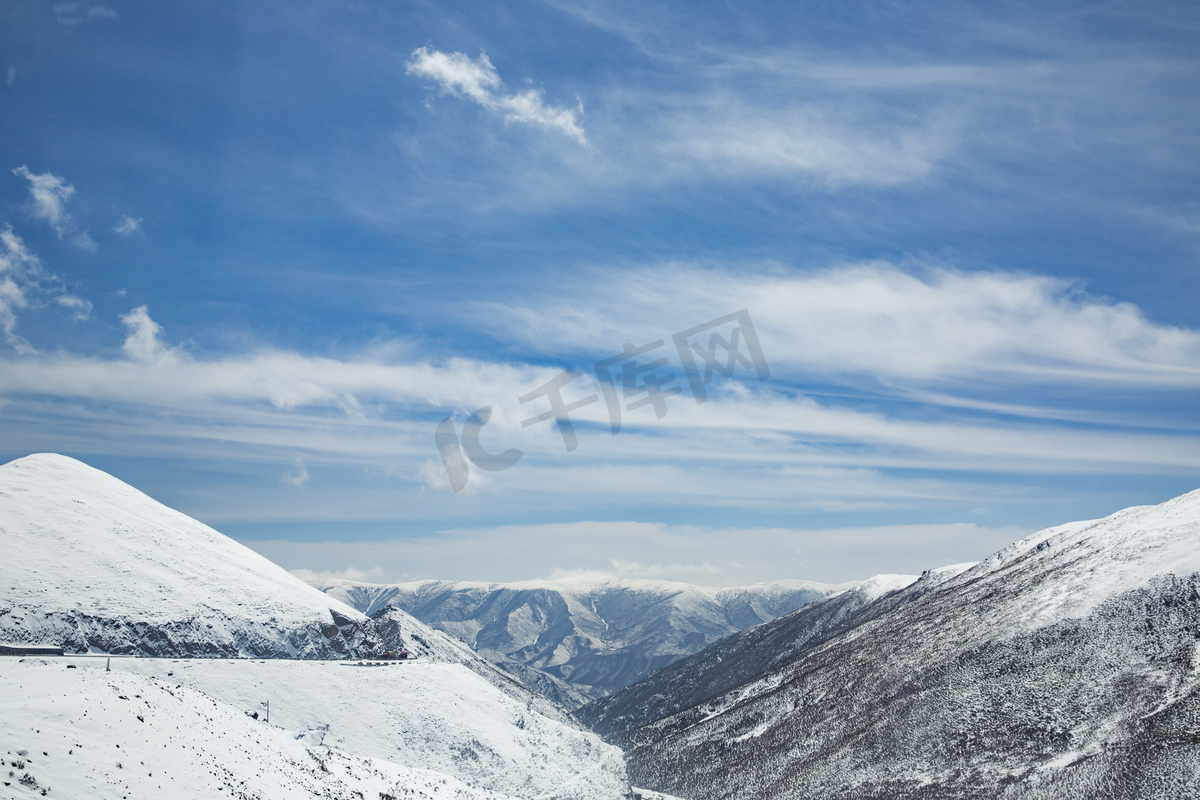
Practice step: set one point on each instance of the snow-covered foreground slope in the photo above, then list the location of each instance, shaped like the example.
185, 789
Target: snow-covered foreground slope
1064, 666
75, 733
421, 713
579, 638
92, 563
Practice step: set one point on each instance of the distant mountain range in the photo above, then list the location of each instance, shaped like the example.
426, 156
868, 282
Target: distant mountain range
577, 639
1066, 665
90, 564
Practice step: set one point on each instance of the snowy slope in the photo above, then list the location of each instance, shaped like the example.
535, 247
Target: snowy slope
74, 733
1066, 665
424, 714
579, 638
91, 562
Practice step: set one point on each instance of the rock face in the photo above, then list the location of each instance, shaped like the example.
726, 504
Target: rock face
577, 639
1064, 666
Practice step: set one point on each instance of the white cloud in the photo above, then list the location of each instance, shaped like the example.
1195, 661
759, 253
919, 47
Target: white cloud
143, 343
129, 226
11, 77
48, 197
478, 80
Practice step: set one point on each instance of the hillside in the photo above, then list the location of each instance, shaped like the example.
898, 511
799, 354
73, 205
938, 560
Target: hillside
1065, 665
577, 639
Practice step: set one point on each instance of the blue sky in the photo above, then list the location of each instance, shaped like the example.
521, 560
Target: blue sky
251, 254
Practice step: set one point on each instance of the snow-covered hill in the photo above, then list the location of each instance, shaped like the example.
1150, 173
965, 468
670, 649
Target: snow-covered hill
576, 639
1064, 666
95, 565
92, 563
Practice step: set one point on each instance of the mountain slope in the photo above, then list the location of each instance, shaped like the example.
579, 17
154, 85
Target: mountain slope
576, 639
733, 660
1065, 665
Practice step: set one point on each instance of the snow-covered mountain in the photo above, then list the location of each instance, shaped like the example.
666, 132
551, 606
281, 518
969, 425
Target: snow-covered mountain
576, 639
96, 566
1063, 666
92, 563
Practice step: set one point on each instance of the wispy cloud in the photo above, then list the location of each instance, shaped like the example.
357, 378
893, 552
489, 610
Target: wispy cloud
477, 80
726, 136
912, 323
76, 13
129, 226
24, 284
48, 198
17, 264
297, 479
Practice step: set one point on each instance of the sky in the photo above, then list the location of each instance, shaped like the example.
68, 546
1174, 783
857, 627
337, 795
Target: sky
705, 292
